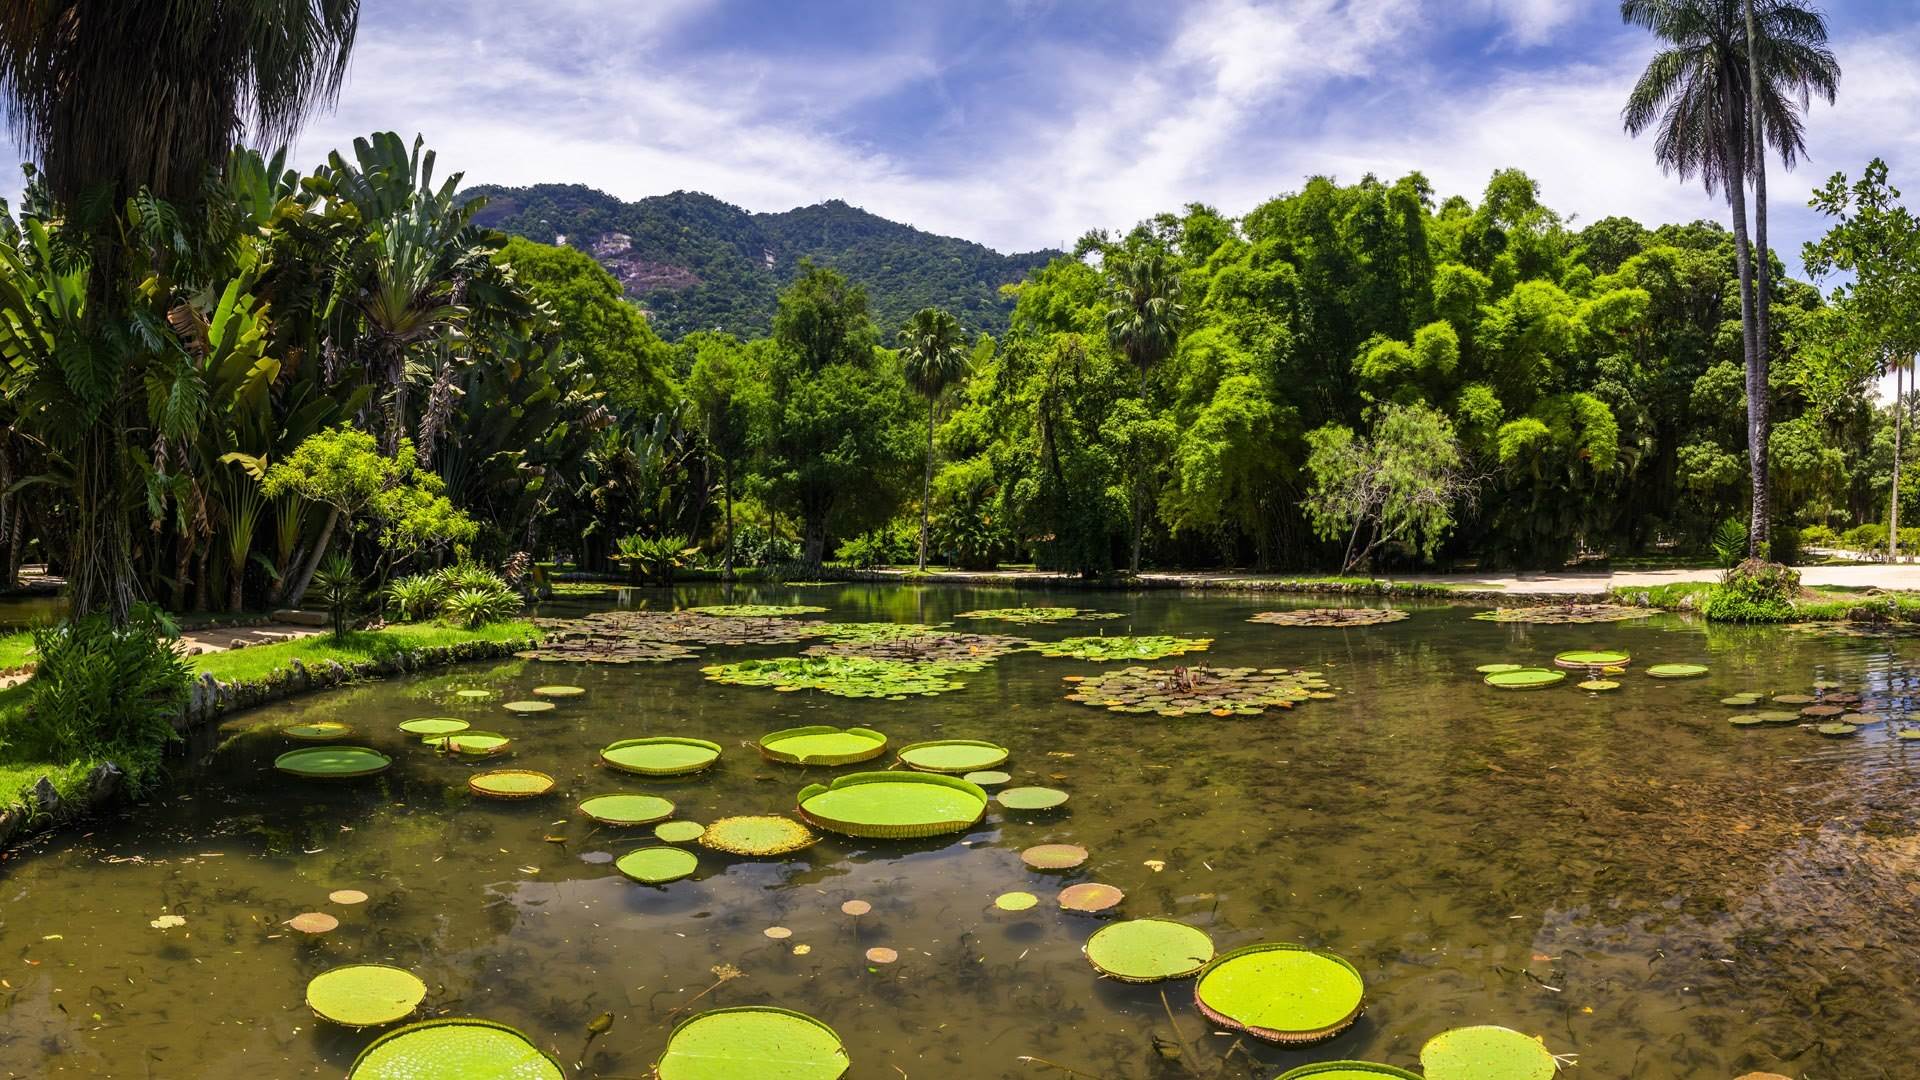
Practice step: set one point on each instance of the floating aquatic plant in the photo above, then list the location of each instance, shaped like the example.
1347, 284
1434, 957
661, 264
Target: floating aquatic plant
758, 835
1090, 898
453, 1049
433, 725
952, 755
365, 995
957, 651
625, 637
558, 691
1348, 1070
657, 865
1677, 671
317, 731
627, 808
1038, 614
822, 744
314, 922
880, 954
1837, 730
332, 762
1030, 798
843, 676
678, 832
1532, 678
755, 611
1282, 993
528, 706
1741, 701
660, 755
1495, 669
893, 805
1330, 616
756, 1042
588, 648
1184, 691
1054, 856
1598, 685
1148, 950
1015, 901
1486, 1052
473, 694
510, 784
470, 743
1592, 658
1561, 614
1119, 647
988, 778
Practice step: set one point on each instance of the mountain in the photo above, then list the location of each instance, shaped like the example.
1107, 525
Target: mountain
697, 263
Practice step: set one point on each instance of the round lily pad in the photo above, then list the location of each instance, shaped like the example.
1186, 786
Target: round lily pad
510, 784
1532, 678
1349, 616
1486, 1053
527, 706
1776, 716
1598, 686
558, 691
1122, 647
952, 755
1495, 669
1821, 712
1837, 730
893, 805
433, 725
1746, 720
755, 1042
1054, 856
756, 834
1030, 798
1907, 733
454, 1049
471, 743
678, 832
1148, 950
1015, 901
988, 777
657, 865
661, 755
627, 808
314, 922
365, 995
1677, 671
1741, 701
1347, 1070
333, 762
821, 744
1281, 993
1090, 897
317, 731
1591, 658
1794, 699
473, 694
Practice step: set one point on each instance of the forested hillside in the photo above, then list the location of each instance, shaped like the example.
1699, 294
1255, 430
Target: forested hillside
697, 263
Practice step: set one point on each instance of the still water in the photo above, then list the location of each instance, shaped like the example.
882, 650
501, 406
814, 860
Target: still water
1656, 893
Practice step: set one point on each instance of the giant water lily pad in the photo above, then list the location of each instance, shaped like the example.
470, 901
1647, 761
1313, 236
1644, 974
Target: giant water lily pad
365, 995
1148, 950
1038, 614
1531, 678
333, 762
1281, 992
955, 651
627, 808
510, 784
1184, 691
470, 743
1348, 1070
1598, 686
821, 744
318, 731
1090, 897
1054, 856
843, 676
755, 611
1677, 671
525, 707
661, 755
1330, 616
454, 1049
755, 1042
757, 835
893, 805
952, 755
558, 690
1030, 798
1486, 1053
1563, 614
1592, 658
678, 832
1120, 647
657, 865
433, 725
1495, 669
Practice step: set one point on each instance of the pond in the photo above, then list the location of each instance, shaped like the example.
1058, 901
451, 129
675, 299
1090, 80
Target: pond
1655, 892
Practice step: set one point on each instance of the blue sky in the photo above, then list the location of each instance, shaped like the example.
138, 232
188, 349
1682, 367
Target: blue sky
1022, 123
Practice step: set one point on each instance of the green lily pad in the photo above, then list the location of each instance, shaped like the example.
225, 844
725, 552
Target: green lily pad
365, 995
1747, 720
627, 808
1794, 699
755, 611
1741, 701
1532, 678
1486, 1053
678, 832
1907, 733
1337, 616
1599, 686
1030, 798
558, 691
657, 865
433, 725
1592, 658
760, 835
1836, 730
1495, 669
821, 744
333, 762
454, 1049
1015, 901
1776, 716
952, 755
510, 784
1104, 649
1280, 992
1038, 614
1148, 950
470, 743
317, 731
752, 1043
528, 706
473, 694
843, 676
1184, 691
893, 805
1566, 614
1677, 671
988, 778
660, 755
1347, 1070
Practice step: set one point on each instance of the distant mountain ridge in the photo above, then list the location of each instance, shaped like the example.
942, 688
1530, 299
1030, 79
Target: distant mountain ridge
697, 263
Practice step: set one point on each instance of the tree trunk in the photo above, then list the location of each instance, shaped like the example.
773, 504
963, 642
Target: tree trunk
100, 564
926, 487
1760, 533
1893, 528
814, 549
297, 589
1734, 149
726, 477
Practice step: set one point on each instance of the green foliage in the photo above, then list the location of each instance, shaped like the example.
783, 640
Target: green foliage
1753, 592
589, 306
415, 597
655, 559
337, 588
1730, 542
343, 468
1399, 487
473, 607
875, 548
103, 692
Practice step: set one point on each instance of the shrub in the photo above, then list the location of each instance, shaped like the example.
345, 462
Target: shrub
339, 590
868, 550
1817, 536
1753, 592
1729, 542
755, 545
416, 596
655, 558
1869, 537
1785, 545
102, 692
477, 607
468, 575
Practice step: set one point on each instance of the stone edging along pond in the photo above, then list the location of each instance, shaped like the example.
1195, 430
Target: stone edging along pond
42, 808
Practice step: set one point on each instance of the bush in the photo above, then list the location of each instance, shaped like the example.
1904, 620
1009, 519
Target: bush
339, 590
416, 596
655, 558
1785, 545
1729, 542
1869, 537
468, 575
870, 550
1753, 592
105, 693
755, 545
477, 607
1817, 536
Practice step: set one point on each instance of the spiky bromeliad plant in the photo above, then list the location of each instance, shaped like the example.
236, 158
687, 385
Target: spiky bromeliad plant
654, 559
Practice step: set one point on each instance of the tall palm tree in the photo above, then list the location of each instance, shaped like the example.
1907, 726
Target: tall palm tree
935, 350
116, 98
1144, 318
1700, 94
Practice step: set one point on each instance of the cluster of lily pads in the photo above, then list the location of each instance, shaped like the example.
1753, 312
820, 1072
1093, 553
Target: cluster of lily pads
961, 652
1106, 649
1567, 614
843, 676
1340, 616
1827, 710
1039, 614
1600, 666
1184, 691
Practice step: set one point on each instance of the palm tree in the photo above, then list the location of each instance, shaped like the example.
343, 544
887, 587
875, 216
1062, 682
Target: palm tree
1700, 93
935, 350
87, 84
1144, 317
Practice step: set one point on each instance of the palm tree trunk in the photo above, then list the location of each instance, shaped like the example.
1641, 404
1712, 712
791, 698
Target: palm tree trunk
1734, 147
1899, 411
726, 477
1760, 534
926, 486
